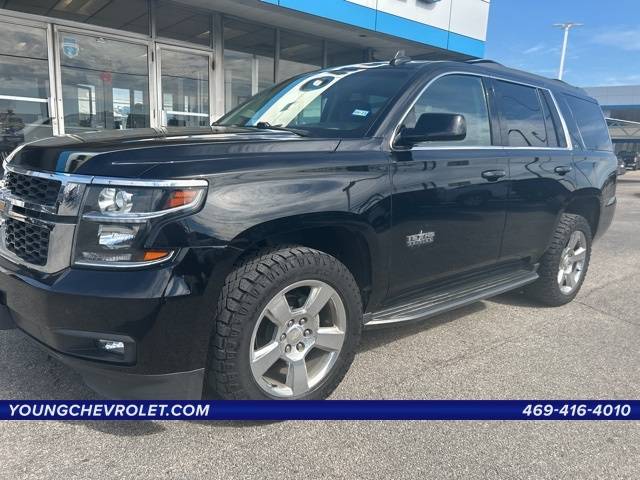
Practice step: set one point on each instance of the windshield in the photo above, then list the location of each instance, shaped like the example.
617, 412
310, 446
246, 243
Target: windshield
331, 103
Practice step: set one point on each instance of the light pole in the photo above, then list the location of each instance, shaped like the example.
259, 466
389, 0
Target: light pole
566, 27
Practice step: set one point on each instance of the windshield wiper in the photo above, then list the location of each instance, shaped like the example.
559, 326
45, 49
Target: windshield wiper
268, 126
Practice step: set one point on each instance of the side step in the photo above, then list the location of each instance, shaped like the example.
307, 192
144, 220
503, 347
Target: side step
446, 299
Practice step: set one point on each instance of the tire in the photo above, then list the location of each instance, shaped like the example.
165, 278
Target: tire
249, 321
547, 289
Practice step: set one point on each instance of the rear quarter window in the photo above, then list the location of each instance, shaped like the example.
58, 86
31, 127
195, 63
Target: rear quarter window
591, 123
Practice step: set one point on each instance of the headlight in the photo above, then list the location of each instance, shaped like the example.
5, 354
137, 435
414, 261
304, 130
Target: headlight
117, 221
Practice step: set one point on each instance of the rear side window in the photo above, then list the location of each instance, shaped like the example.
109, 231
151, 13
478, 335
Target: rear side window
521, 114
591, 123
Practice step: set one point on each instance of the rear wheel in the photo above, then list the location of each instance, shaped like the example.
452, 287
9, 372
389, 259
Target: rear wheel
289, 320
564, 266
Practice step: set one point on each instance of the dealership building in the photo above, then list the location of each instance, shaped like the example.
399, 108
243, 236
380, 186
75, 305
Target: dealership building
71, 66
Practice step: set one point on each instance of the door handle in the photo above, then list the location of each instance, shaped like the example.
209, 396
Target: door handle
563, 170
494, 175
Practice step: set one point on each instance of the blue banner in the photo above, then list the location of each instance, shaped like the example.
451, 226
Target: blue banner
323, 410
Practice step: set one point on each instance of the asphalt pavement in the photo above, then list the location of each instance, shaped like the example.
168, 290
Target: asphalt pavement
505, 348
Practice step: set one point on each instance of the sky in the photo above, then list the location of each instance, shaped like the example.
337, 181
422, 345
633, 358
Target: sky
605, 51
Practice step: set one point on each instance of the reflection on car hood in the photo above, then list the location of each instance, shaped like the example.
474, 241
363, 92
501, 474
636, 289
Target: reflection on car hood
132, 153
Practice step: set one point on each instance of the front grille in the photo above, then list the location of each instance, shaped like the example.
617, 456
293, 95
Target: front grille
41, 191
27, 241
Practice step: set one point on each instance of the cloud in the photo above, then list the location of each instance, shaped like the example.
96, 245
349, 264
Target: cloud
622, 80
540, 49
535, 49
625, 39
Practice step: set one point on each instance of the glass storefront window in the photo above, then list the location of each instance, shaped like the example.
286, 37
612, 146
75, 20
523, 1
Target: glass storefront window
248, 60
185, 89
105, 77
299, 54
105, 83
129, 15
24, 86
339, 54
182, 23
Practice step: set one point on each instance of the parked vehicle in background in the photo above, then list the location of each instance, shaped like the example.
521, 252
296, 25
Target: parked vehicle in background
243, 261
622, 167
630, 159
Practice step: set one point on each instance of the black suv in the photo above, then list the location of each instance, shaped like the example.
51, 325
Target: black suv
243, 261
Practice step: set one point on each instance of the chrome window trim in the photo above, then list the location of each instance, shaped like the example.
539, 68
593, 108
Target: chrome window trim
565, 127
396, 130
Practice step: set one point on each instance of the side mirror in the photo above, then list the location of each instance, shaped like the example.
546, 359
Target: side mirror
434, 127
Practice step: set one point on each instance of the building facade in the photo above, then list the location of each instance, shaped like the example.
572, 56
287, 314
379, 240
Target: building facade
71, 66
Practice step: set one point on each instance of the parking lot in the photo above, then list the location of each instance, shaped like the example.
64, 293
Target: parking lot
506, 348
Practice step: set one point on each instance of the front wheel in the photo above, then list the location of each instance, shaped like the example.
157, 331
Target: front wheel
288, 323
564, 266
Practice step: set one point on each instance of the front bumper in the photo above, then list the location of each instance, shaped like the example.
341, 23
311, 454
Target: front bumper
163, 314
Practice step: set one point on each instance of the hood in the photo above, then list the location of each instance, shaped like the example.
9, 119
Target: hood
133, 153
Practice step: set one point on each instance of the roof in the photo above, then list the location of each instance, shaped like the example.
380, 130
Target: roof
490, 68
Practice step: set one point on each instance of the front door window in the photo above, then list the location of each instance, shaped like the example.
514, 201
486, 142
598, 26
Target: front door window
105, 83
24, 86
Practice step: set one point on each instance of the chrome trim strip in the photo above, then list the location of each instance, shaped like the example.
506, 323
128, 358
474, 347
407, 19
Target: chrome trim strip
11, 199
127, 182
24, 99
496, 147
565, 128
396, 130
123, 265
115, 181
60, 177
186, 114
33, 221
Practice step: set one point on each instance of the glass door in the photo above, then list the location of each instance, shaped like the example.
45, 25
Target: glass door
185, 86
25, 91
104, 82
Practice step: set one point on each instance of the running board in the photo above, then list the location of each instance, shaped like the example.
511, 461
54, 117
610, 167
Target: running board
446, 299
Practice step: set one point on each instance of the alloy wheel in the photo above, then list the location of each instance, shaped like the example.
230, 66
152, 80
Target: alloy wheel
572, 263
297, 339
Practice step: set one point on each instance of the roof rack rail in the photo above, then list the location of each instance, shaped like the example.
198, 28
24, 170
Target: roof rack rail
400, 58
483, 60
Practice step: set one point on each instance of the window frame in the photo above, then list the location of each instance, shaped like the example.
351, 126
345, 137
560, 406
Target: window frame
548, 101
494, 116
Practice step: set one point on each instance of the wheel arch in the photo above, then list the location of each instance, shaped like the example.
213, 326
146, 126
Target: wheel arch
344, 236
588, 204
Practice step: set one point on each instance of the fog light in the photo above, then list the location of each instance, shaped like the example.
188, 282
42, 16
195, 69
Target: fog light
111, 346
